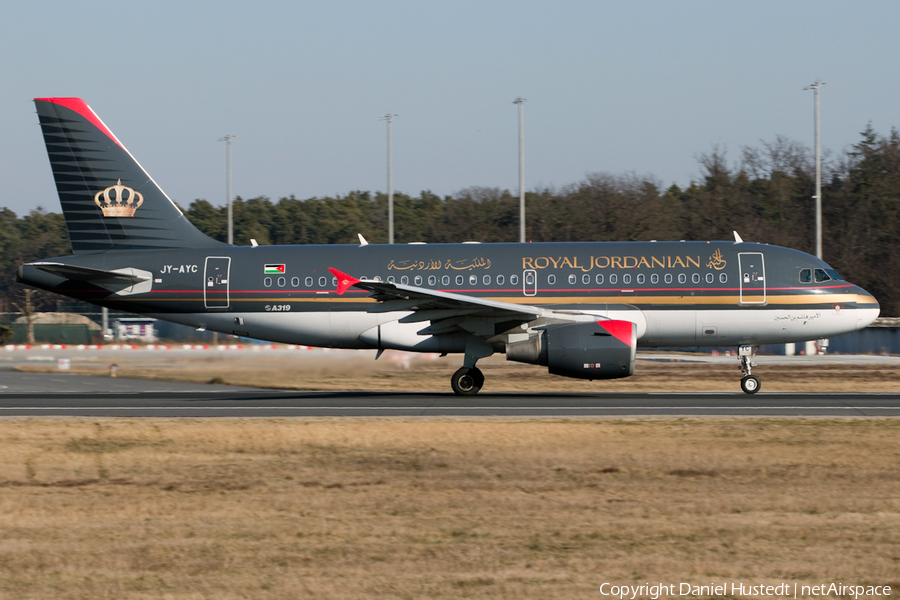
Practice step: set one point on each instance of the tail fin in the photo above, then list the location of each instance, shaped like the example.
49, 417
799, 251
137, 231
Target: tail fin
108, 200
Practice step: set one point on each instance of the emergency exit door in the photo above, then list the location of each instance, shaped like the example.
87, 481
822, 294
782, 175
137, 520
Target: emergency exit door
752, 277
529, 282
215, 282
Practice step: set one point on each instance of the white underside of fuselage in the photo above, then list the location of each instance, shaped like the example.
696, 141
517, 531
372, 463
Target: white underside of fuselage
656, 328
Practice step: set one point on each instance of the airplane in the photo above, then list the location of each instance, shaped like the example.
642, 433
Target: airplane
580, 309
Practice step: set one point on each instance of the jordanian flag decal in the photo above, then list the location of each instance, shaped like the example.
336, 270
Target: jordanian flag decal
274, 269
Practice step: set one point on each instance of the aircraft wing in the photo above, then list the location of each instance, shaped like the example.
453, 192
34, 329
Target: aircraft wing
77, 273
446, 311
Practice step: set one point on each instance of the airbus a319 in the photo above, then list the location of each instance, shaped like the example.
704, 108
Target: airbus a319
579, 309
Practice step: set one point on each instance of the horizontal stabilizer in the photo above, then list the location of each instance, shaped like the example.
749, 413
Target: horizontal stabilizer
77, 273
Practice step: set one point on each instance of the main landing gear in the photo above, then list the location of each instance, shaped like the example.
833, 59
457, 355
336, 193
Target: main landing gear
750, 384
467, 381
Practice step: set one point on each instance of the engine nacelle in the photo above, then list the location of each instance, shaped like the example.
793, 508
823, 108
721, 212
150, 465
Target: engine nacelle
599, 350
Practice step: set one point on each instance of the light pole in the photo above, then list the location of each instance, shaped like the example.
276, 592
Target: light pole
390, 176
521, 102
227, 139
815, 87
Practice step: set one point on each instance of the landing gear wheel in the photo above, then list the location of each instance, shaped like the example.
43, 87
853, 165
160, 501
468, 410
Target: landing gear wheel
467, 382
479, 377
750, 384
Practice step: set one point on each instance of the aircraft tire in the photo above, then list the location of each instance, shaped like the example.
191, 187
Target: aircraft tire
750, 384
479, 377
466, 382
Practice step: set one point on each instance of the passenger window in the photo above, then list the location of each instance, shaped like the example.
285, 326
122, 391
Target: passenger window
723, 277
322, 281
599, 279
404, 280
695, 277
710, 278
585, 279
295, 282
486, 279
418, 280
514, 279
654, 278
822, 276
551, 279
805, 275
682, 278
613, 278
281, 281
334, 281
640, 278
459, 280
626, 278
500, 279
572, 280
308, 281
391, 279
432, 280
668, 278
445, 280
473, 279
529, 279
267, 282
378, 278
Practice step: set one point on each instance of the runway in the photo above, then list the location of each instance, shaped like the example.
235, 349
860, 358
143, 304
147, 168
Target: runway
26, 394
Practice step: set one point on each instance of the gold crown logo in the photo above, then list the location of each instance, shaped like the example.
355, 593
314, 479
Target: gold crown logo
118, 200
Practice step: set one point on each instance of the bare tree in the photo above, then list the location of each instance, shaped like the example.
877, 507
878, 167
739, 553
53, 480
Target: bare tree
479, 193
27, 309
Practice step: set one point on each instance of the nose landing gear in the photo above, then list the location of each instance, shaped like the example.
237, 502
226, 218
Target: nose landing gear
750, 384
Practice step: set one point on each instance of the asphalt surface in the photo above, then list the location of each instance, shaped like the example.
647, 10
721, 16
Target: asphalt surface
33, 394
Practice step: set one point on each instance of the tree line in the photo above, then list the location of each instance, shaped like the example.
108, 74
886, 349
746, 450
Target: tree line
765, 193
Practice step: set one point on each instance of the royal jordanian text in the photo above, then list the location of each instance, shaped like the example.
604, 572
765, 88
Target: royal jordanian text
784, 590
589, 263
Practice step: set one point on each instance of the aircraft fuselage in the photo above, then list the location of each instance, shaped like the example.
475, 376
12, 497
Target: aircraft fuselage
678, 293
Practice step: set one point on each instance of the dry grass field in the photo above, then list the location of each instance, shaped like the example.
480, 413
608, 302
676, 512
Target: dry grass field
398, 371
440, 508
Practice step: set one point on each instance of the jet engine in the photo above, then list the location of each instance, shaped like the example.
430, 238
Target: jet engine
597, 350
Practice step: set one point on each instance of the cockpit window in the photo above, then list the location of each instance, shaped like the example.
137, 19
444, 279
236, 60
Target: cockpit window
822, 276
834, 274
805, 275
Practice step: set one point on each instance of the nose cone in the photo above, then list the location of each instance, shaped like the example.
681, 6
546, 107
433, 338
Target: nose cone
867, 310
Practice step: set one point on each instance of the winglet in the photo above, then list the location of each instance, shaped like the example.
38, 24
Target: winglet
362, 240
737, 238
344, 281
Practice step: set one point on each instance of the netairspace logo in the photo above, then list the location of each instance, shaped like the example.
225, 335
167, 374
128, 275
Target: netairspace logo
783, 590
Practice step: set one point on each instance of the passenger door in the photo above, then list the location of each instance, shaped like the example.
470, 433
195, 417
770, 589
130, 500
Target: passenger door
752, 277
215, 282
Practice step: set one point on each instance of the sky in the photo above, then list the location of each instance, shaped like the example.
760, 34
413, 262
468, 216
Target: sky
622, 87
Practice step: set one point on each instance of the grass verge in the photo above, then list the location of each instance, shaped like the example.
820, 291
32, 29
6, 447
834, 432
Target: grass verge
440, 508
